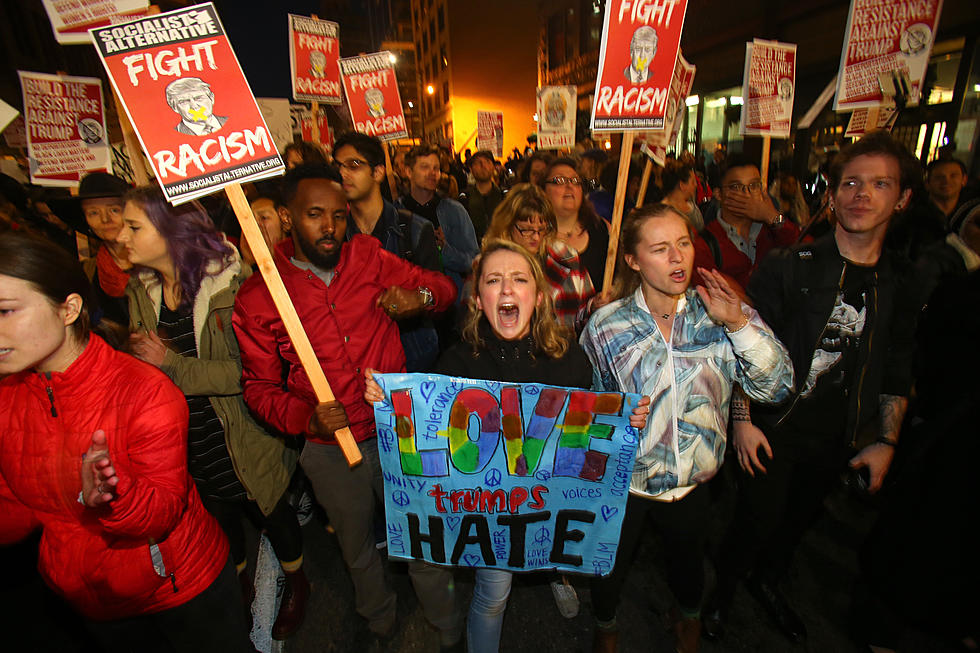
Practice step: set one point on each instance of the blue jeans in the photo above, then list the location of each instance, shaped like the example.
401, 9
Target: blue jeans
487, 610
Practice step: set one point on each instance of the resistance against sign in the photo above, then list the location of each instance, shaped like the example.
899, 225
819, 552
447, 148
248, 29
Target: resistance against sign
188, 100
66, 134
505, 475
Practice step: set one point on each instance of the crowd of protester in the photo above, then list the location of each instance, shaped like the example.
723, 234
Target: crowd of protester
795, 331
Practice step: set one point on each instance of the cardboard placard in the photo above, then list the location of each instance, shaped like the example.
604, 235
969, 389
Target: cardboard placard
277, 114
372, 95
325, 130
655, 143
71, 20
882, 36
15, 134
857, 125
768, 88
490, 132
557, 106
65, 122
314, 50
640, 40
184, 91
511, 476
7, 115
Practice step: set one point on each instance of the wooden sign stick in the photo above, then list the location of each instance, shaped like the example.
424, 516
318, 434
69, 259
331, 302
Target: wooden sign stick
871, 122
644, 182
765, 163
620, 200
130, 141
315, 126
284, 305
390, 173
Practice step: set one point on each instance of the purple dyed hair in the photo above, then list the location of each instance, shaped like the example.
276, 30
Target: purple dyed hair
193, 242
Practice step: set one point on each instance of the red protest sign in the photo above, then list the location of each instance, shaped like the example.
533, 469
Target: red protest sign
189, 102
639, 46
372, 95
885, 37
65, 121
768, 85
71, 20
314, 50
326, 132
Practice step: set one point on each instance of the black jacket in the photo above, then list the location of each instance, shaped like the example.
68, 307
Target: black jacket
517, 361
794, 291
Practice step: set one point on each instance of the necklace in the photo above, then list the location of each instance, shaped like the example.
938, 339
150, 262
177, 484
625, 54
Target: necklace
665, 316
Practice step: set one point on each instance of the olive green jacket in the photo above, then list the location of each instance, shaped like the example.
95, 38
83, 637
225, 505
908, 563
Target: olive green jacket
263, 463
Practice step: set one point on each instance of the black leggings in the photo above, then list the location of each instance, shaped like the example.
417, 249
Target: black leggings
280, 525
683, 525
211, 621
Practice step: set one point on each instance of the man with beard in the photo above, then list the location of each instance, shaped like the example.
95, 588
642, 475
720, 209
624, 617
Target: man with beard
345, 292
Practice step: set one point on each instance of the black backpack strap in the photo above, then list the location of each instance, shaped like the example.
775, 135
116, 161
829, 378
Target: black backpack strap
712, 245
405, 249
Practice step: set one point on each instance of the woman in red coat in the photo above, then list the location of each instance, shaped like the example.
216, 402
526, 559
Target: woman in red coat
93, 452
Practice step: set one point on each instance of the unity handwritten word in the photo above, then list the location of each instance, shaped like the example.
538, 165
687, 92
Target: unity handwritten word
523, 443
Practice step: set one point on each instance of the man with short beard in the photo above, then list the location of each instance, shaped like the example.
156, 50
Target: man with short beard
346, 293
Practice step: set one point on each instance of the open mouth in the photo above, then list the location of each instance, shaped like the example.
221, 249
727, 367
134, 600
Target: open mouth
680, 276
4, 351
508, 314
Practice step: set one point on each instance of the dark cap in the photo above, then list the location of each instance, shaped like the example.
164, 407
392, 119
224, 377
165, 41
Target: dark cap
487, 154
94, 185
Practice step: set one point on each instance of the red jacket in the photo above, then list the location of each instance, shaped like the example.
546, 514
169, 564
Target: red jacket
736, 264
347, 329
99, 558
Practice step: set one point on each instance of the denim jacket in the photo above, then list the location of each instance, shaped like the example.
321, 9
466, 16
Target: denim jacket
689, 381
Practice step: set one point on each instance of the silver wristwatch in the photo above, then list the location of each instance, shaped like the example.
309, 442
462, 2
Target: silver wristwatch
427, 298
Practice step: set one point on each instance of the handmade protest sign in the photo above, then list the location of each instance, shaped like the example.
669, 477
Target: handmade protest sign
65, 121
71, 20
768, 88
557, 107
883, 36
505, 475
184, 91
490, 132
15, 134
314, 50
636, 61
372, 95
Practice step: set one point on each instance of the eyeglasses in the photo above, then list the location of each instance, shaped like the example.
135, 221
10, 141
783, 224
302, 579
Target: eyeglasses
561, 181
352, 164
527, 232
744, 188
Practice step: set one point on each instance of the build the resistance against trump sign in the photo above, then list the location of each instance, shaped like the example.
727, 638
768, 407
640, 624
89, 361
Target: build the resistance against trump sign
512, 476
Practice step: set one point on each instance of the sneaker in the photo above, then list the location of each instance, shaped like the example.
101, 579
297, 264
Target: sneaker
304, 509
565, 598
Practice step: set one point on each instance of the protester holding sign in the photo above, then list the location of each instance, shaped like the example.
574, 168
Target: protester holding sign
510, 335
95, 456
527, 218
349, 290
180, 302
686, 348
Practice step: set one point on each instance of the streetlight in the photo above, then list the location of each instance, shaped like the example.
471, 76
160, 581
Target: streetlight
430, 89
392, 58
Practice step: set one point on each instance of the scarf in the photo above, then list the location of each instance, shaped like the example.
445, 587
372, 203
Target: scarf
112, 278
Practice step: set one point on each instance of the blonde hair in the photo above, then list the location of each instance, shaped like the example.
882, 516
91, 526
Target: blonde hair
522, 203
627, 280
550, 336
